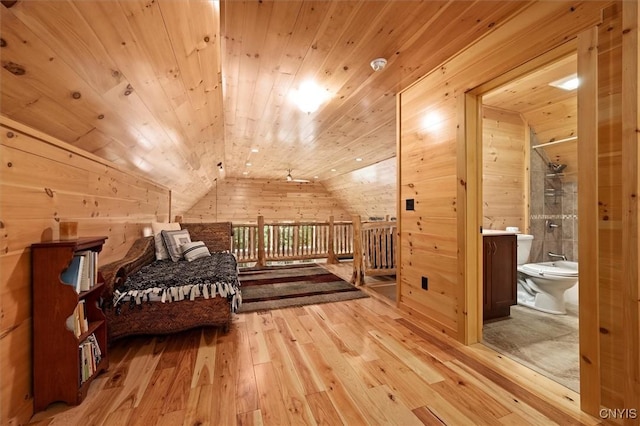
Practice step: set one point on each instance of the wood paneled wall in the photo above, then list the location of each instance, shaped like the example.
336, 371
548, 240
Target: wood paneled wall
610, 207
610, 173
504, 169
243, 200
42, 181
367, 192
433, 158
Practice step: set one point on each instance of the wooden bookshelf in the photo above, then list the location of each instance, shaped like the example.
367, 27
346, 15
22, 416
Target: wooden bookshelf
57, 366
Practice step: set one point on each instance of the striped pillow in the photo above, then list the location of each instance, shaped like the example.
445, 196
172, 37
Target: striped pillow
173, 240
195, 250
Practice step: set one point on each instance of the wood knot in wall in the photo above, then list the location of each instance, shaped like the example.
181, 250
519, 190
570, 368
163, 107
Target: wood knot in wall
3, 42
49, 192
14, 68
76, 95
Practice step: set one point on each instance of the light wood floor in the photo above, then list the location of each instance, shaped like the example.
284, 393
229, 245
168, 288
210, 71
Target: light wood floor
355, 362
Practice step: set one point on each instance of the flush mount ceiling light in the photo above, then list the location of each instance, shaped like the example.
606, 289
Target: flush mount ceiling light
568, 83
309, 97
378, 64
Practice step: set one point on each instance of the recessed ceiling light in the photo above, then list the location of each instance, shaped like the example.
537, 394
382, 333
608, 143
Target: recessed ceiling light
333, 170
255, 150
248, 164
245, 173
315, 177
358, 159
568, 83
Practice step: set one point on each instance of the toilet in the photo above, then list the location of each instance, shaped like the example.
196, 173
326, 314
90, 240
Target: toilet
542, 286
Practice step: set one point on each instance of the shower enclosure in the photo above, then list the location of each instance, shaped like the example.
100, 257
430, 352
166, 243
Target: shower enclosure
553, 209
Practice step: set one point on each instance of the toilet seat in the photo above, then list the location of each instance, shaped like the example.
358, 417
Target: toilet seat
549, 269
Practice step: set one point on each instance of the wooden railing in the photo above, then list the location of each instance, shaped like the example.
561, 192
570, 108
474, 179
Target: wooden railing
375, 250
268, 242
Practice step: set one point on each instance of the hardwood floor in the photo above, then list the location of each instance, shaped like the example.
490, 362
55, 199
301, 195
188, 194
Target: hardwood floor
354, 362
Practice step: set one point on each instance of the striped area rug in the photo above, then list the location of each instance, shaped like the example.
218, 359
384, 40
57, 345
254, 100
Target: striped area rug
284, 287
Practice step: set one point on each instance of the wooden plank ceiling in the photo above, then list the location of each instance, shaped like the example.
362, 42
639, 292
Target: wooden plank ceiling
551, 112
170, 89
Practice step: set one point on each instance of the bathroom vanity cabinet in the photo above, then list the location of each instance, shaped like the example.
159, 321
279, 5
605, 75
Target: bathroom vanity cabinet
500, 269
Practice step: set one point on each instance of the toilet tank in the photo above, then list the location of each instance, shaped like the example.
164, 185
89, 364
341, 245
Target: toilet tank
524, 247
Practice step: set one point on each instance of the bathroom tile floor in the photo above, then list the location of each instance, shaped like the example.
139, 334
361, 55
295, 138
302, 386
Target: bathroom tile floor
545, 343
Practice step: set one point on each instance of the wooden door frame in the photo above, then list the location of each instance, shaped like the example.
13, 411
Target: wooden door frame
470, 108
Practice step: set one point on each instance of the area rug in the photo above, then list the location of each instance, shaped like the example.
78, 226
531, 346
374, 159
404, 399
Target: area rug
284, 287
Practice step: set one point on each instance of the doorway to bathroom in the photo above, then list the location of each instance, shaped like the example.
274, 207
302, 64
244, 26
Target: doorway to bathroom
529, 189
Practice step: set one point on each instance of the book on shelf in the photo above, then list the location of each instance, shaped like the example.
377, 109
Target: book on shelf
72, 275
90, 356
78, 321
82, 313
87, 280
95, 267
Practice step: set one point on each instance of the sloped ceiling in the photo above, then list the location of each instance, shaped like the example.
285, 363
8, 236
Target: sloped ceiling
172, 89
550, 112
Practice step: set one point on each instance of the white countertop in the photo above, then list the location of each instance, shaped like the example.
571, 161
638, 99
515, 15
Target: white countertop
497, 232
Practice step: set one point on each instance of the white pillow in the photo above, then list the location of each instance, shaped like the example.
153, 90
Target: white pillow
161, 249
195, 250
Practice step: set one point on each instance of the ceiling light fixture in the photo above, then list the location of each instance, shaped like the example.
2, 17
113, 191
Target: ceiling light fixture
309, 97
378, 64
568, 83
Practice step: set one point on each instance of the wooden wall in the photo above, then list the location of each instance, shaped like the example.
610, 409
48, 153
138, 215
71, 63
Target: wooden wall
367, 192
243, 200
611, 288
433, 159
42, 181
610, 207
504, 169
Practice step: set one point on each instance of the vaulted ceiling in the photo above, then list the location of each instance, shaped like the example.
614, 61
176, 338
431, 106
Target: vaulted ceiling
170, 89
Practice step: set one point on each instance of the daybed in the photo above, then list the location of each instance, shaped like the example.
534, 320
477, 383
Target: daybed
147, 296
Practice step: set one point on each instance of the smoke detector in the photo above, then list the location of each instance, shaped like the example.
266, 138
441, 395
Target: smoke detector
378, 64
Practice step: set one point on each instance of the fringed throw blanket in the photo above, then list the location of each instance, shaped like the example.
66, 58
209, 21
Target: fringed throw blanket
168, 281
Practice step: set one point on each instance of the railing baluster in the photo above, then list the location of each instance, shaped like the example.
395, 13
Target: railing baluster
263, 242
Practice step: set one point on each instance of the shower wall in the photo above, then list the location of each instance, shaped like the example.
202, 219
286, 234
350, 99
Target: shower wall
553, 200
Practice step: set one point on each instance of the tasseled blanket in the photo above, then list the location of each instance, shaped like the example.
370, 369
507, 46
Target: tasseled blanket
168, 281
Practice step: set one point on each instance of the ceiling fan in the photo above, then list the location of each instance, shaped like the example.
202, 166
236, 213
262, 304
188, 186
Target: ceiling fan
291, 179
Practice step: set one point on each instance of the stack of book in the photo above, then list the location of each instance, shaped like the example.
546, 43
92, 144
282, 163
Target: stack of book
82, 273
90, 356
78, 321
